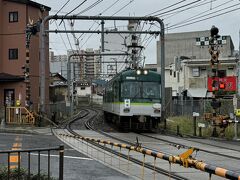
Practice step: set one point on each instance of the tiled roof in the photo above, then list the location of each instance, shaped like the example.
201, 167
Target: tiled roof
4, 77
31, 3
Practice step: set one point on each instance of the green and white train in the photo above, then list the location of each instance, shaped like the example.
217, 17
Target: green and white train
132, 100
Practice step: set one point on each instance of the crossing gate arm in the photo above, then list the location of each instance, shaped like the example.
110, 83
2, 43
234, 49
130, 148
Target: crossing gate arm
192, 163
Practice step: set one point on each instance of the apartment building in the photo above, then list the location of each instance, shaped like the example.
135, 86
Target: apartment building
14, 17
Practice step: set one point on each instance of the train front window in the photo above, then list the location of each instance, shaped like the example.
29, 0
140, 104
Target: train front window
140, 90
151, 90
131, 90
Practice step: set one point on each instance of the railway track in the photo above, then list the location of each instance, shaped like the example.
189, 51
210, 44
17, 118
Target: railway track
90, 125
179, 145
87, 120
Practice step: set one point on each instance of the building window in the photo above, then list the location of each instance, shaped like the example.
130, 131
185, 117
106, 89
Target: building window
13, 16
195, 72
13, 53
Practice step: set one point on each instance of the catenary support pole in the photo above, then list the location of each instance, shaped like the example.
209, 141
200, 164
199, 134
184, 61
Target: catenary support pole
123, 18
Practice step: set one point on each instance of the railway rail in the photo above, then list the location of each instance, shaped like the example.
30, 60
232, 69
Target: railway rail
88, 121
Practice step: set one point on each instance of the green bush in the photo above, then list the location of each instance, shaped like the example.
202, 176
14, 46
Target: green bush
21, 175
185, 124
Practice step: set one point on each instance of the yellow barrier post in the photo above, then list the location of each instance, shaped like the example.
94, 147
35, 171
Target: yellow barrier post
210, 176
111, 155
119, 154
128, 160
154, 168
169, 170
104, 153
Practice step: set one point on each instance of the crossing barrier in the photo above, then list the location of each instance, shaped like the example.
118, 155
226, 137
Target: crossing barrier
184, 160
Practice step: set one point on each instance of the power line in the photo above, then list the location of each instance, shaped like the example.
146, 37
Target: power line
202, 14
89, 37
123, 7
90, 7
165, 7
195, 18
205, 19
67, 35
171, 14
61, 36
74, 9
177, 8
97, 22
108, 7
62, 7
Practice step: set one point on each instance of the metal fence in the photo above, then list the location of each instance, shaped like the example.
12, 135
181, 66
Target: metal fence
16, 160
179, 107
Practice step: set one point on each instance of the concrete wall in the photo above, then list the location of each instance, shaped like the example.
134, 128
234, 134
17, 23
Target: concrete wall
184, 44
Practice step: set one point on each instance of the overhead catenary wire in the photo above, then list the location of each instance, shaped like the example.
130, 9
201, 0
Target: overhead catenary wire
165, 8
123, 7
67, 36
220, 14
111, 15
61, 36
62, 7
171, 14
177, 8
108, 7
204, 15
90, 7
74, 9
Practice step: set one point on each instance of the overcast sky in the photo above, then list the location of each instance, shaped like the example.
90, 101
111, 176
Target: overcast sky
172, 12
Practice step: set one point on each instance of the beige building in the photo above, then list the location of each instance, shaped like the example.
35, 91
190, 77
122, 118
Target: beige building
194, 45
14, 17
187, 62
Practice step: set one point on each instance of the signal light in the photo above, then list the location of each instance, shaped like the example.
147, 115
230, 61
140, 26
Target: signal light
214, 31
221, 85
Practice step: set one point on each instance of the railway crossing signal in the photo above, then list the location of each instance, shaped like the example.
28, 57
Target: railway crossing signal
221, 85
31, 29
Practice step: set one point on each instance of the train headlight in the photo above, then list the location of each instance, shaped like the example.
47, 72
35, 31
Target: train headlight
145, 72
138, 72
157, 106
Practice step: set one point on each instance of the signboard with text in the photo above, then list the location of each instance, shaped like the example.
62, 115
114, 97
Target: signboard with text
228, 81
